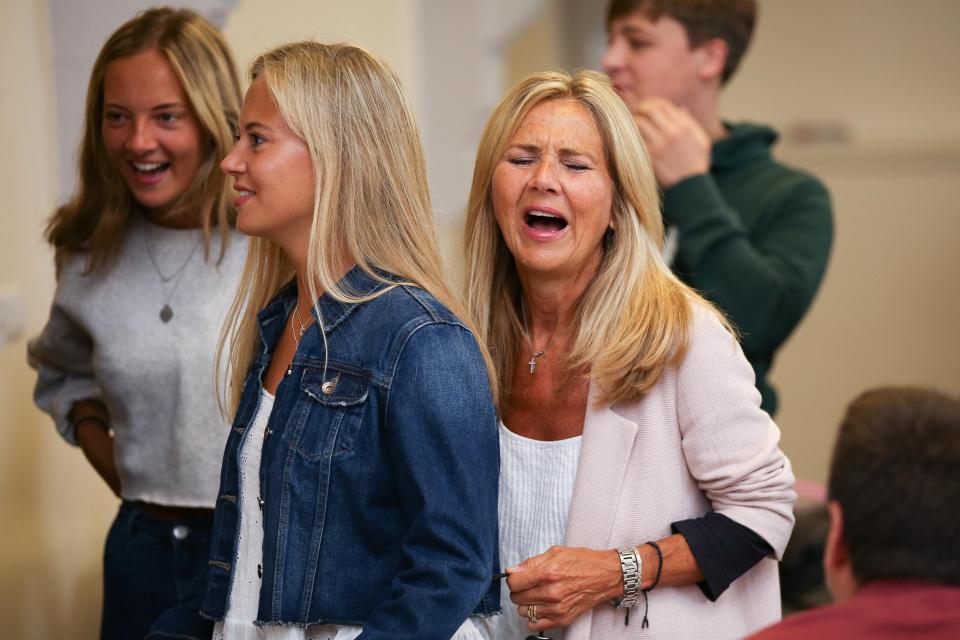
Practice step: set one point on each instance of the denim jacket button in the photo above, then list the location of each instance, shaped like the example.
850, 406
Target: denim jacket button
259, 570
329, 387
266, 433
260, 502
180, 532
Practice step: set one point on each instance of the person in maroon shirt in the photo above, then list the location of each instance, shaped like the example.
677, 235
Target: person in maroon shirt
892, 559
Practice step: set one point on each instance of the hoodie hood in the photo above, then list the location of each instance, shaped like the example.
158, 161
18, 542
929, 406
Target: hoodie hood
744, 143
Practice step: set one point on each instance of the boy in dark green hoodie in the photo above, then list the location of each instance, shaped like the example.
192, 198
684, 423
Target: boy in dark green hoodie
749, 233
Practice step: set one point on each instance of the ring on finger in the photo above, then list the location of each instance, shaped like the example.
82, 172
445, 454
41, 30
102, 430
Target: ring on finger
532, 612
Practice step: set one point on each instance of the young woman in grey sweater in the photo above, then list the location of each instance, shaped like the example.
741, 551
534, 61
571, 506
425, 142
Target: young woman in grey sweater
147, 264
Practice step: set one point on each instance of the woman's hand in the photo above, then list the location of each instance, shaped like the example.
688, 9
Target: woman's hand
564, 582
96, 442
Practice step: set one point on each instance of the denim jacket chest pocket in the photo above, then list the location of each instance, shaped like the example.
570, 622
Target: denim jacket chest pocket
329, 413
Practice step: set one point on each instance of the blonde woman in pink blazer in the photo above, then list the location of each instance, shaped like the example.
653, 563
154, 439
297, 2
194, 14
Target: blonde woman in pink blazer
642, 490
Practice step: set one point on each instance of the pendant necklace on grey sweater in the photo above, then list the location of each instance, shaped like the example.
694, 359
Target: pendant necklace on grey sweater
166, 312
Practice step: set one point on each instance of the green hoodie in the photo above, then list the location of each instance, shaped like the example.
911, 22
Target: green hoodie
753, 237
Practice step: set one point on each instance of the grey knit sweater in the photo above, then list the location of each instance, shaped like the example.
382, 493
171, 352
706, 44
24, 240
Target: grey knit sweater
105, 339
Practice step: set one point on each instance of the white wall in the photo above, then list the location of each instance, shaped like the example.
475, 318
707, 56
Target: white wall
50, 546
888, 70
387, 27
890, 305
461, 54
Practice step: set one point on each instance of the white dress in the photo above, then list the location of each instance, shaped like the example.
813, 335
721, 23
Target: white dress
245, 589
536, 486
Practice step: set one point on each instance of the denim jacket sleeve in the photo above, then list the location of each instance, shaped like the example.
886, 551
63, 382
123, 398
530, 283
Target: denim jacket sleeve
441, 434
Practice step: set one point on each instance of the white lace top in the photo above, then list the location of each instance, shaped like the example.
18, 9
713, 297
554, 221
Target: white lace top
536, 486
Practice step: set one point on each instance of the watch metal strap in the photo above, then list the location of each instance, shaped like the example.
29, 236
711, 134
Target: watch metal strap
632, 567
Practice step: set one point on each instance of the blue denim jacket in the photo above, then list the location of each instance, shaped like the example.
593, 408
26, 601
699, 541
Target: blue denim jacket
379, 472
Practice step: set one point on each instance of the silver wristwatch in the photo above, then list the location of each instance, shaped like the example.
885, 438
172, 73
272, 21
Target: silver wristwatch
632, 567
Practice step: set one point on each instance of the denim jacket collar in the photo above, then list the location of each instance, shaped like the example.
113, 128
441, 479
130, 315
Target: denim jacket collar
355, 281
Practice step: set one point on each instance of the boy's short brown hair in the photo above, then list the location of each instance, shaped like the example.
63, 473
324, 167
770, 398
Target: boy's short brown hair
730, 20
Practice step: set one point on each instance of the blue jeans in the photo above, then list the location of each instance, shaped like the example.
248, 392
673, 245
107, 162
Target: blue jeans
148, 564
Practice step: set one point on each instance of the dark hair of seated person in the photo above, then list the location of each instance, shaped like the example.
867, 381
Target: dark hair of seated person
896, 475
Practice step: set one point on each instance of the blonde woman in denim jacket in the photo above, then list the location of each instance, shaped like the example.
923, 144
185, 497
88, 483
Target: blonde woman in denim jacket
358, 494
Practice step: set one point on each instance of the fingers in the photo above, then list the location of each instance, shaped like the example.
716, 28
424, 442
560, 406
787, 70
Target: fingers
564, 582
532, 611
526, 575
661, 113
652, 104
657, 124
544, 616
663, 119
678, 146
533, 590
541, 593
652, 136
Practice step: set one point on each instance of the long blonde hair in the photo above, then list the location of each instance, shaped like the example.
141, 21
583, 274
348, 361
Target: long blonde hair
371, 204
634, 317
96, 219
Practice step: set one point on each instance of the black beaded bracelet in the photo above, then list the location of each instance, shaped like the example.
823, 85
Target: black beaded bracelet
656, 580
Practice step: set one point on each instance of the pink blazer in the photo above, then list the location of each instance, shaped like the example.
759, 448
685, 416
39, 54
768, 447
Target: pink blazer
698, 441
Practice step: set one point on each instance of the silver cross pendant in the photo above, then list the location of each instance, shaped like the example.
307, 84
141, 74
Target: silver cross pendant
533, 361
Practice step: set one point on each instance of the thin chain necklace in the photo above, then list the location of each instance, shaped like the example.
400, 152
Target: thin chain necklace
295, 316
303, 325
536, 353
166, 312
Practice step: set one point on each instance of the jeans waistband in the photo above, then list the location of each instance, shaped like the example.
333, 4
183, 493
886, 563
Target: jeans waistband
193, 526
171, 514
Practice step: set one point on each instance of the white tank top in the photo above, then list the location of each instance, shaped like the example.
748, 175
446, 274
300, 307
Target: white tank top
536, 486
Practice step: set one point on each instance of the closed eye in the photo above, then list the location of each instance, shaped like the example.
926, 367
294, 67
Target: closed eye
521, 162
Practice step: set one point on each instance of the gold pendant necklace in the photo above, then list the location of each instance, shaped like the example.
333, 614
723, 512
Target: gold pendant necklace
295, 317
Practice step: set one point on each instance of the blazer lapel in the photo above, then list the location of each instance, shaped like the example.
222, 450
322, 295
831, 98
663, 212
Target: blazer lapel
608, 439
